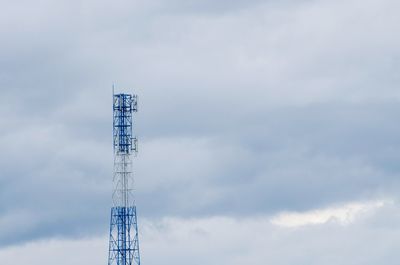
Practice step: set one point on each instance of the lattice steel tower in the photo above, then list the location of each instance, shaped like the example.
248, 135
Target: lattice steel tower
124, 240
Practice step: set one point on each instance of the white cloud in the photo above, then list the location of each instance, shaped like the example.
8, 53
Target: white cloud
344, 215
57, 251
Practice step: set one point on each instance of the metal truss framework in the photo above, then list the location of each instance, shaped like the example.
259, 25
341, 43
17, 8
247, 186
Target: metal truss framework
124, 240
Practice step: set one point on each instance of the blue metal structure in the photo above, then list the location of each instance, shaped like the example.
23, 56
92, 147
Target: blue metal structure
124, 240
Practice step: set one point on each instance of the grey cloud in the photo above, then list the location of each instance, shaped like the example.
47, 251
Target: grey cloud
251, 111
371, 238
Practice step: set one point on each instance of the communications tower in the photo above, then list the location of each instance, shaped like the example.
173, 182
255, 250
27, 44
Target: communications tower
124, 240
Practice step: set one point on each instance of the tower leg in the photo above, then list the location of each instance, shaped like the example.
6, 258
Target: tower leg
124, 239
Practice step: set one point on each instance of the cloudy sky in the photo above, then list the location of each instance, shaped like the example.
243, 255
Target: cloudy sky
268, 130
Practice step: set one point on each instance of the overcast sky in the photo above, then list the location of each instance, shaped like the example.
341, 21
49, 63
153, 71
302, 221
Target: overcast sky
268, 130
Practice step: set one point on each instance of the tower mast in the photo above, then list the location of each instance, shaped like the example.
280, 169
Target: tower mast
124, 240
